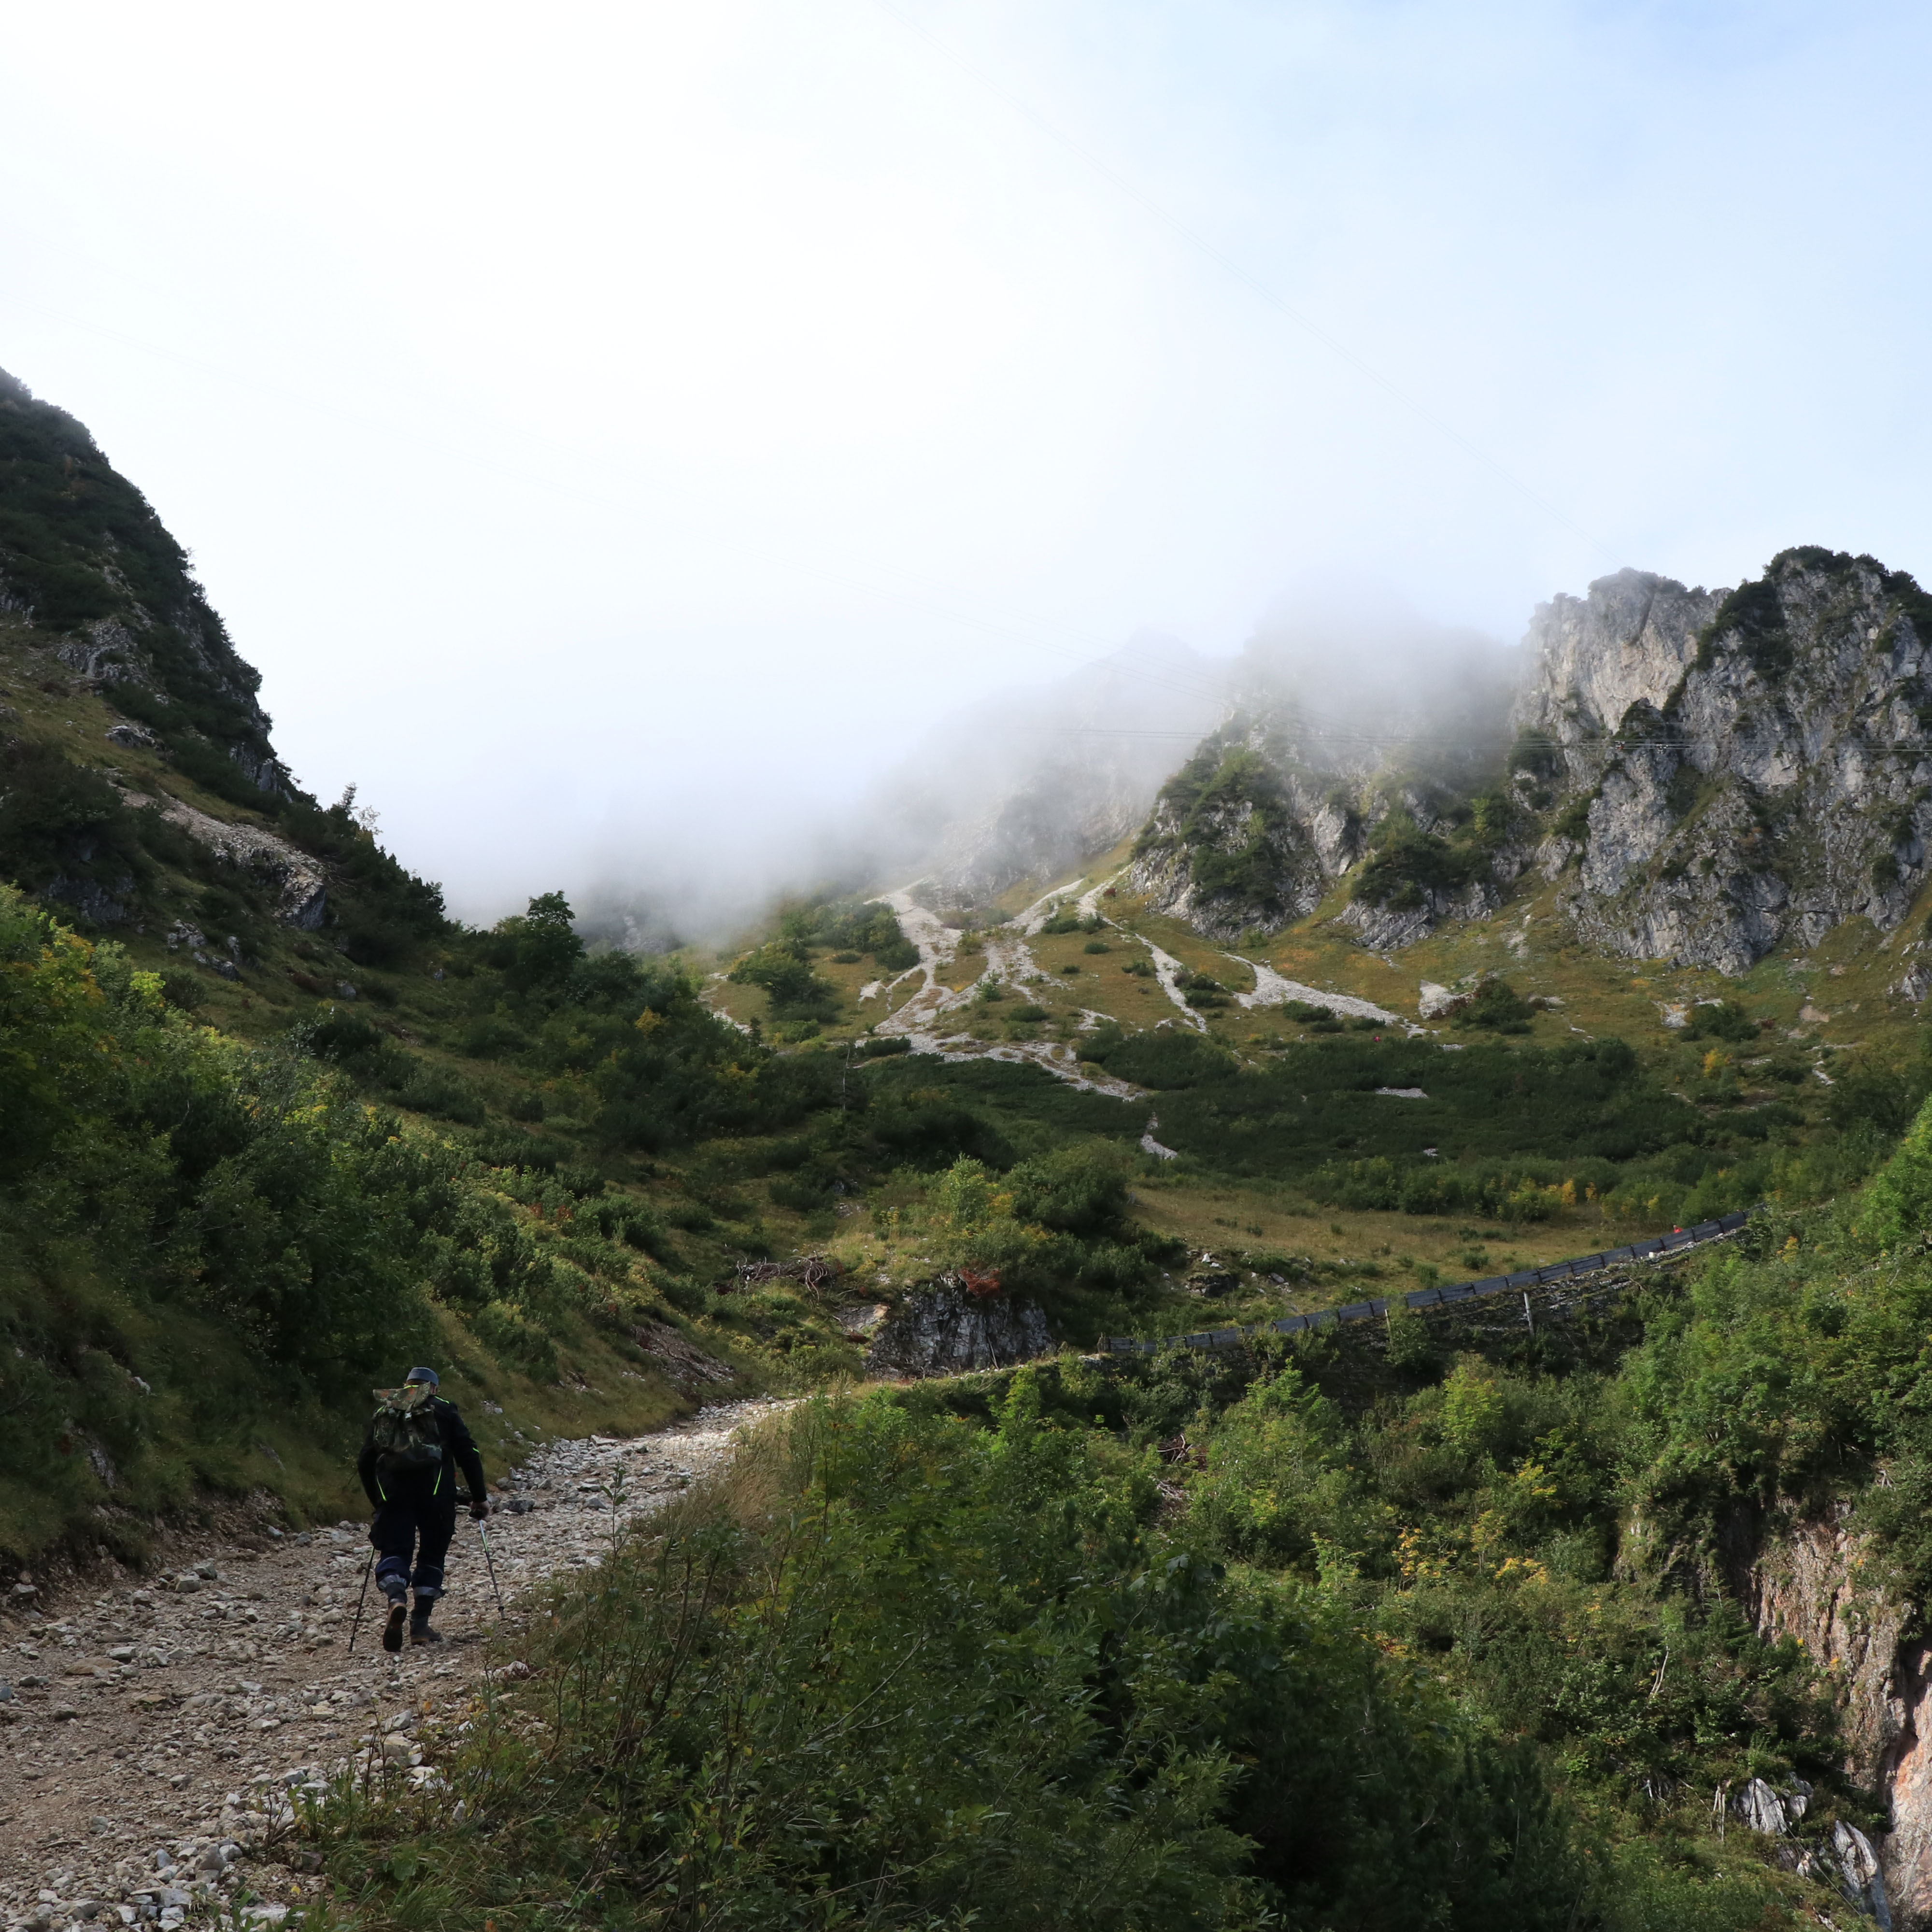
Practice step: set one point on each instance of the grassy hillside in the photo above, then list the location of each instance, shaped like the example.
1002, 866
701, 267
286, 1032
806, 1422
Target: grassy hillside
1413, 1626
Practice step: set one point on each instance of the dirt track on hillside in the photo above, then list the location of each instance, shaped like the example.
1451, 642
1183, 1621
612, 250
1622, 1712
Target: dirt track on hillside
154, 1718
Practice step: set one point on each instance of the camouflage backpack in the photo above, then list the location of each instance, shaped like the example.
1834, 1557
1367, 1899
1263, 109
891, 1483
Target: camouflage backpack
406, 1430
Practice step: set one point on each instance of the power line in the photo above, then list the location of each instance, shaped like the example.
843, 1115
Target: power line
1077, 649
1252, 282
1371, 741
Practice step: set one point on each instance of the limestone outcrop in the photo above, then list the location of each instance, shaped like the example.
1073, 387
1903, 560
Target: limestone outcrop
1733, 769
1708, 771
944, 1330
1816, 1579
301, 889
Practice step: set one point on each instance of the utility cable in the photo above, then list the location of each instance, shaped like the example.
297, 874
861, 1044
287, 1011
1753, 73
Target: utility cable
1249, 281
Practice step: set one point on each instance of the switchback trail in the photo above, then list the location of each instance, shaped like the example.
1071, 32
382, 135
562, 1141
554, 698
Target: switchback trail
151, 1716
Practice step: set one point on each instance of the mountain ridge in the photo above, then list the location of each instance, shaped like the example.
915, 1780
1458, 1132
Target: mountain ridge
1707, 773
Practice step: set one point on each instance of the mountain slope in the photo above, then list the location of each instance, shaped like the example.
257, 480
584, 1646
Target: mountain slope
1510, 1598
1707, 773
1033, 784
1734, 769
86, 562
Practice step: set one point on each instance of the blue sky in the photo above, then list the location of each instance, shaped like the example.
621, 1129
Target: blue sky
568, 406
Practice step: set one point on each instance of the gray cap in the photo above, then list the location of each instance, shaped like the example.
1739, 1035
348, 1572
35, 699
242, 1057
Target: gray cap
424, 1375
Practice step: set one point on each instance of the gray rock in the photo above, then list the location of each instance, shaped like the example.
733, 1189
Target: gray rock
108, 904
944, 1330
301, 893
1761, 1808
1861, 1879
1748, 770
1714, 772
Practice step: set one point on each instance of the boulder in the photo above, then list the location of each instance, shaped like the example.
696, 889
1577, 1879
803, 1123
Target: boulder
944, 1331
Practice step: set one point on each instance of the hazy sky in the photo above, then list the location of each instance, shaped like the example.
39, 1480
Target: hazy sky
612, 429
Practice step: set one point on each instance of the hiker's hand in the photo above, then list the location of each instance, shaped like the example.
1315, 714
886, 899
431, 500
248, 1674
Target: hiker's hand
478, 1510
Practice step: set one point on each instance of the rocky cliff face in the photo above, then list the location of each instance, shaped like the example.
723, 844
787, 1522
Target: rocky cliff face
1321, 769
1812, 1579
944, 1330
1710, 772
1737, 767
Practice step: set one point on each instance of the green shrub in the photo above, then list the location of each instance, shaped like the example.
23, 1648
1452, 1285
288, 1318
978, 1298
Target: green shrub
1897, 1205
1497, 1006
1721, 1019
1164, 1058
1407, 863
797, 993
1033, 1698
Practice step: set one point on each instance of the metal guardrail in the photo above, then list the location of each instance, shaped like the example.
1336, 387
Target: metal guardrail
1525, 1279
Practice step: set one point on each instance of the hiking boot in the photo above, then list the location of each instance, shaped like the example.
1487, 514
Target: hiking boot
392, 1630
421, 1633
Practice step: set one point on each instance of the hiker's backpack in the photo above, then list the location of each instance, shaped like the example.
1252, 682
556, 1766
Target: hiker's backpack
407, 1431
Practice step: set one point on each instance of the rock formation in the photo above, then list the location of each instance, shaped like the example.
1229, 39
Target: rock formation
945, 1330
1814, 1579
1708, 771
1322, 767
1733, 768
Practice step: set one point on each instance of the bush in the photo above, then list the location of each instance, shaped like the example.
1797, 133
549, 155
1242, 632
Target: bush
782, 969
1721, 1019
1897, 1205
1496, 1007
1034, 1698
852, 928
1408, 864
1163, 1058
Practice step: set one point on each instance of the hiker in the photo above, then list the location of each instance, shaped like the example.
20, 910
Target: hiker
405, 1466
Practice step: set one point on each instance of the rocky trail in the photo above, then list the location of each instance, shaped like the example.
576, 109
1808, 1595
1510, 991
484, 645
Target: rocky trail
156, 1726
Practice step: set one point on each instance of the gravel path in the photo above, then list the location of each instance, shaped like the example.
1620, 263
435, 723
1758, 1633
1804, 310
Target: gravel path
151, 1725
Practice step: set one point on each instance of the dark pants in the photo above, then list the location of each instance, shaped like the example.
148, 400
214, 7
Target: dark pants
412, 1527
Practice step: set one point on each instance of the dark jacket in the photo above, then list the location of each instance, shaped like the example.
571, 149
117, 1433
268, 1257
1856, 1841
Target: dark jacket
459, 1447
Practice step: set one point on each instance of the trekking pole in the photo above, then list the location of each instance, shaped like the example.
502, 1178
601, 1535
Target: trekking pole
362, 1599
486, 1558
